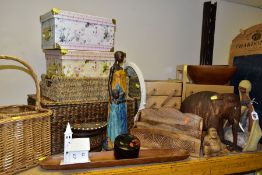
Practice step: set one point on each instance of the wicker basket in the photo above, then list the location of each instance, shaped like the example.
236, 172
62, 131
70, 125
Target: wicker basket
25, 130
74, 89
77, 112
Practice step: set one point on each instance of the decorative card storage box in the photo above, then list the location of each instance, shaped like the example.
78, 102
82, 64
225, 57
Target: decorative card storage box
73, 63
69, 30
77, 112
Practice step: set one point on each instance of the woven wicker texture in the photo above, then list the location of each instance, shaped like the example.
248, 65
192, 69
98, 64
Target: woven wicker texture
74, 89
25, 130
78, 112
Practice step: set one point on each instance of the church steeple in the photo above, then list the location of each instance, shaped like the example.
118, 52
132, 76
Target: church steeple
67, 141
68, 129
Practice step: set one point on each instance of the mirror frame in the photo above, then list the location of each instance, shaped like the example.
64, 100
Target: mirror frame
141, 82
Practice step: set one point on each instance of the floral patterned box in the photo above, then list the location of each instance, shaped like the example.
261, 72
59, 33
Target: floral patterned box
69, 30
74, 63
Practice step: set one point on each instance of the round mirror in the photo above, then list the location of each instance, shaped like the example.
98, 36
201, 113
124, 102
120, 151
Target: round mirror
136, 84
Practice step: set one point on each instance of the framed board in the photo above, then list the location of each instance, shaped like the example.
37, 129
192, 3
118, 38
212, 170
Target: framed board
246, 55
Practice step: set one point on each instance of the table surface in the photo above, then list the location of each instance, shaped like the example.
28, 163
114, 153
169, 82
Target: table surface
233, 163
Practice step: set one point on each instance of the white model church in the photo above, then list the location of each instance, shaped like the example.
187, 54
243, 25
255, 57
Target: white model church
75, 150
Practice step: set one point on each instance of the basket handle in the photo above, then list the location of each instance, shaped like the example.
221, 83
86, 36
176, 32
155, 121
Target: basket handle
28, 70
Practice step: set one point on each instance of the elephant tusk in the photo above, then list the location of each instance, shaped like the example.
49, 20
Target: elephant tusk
241, 127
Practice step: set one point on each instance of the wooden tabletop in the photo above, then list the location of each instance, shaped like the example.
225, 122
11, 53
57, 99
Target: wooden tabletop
234, 163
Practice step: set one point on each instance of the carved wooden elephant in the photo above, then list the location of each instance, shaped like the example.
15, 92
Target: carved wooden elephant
214, 108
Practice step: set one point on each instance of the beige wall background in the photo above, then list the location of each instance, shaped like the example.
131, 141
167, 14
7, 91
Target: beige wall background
157, 35
230, 18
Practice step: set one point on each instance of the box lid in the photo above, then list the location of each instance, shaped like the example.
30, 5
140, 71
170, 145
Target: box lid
57, 13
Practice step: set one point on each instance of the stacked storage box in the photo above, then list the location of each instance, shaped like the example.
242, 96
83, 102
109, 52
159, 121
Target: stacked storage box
79, 53
74, 75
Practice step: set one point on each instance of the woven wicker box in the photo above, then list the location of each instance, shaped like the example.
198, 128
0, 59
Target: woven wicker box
24, 130
77, 112
63, 89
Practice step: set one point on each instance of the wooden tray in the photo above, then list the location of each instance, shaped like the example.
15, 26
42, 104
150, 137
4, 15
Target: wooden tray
107, 159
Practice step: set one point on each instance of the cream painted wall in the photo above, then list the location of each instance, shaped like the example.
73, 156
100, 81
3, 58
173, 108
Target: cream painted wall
157, 35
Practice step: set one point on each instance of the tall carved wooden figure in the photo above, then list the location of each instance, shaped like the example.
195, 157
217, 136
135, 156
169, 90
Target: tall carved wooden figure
249, 117
117, 115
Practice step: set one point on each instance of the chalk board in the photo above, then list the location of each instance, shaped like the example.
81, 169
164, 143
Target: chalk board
249, 67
